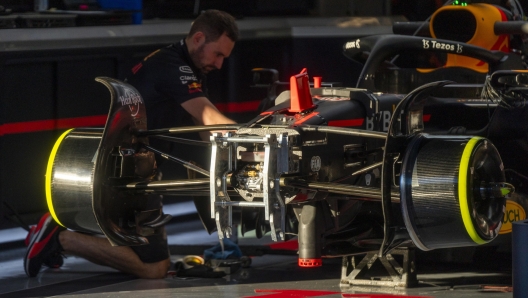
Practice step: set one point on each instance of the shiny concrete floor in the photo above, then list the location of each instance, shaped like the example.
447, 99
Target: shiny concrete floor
270, 276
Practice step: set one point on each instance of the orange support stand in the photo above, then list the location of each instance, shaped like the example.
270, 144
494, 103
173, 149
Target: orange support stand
300, 95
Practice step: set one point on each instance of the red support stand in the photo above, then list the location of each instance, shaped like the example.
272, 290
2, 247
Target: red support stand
300, 95
317, 82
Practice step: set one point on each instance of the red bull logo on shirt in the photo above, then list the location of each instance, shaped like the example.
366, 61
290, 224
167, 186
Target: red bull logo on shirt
195, 87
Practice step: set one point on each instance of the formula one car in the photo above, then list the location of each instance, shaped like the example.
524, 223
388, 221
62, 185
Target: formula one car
422, 153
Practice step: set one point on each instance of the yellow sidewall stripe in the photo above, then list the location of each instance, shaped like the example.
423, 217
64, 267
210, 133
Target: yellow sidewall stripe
462, 191
49, 177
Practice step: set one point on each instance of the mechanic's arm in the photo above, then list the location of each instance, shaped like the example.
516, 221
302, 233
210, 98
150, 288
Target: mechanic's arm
204, 112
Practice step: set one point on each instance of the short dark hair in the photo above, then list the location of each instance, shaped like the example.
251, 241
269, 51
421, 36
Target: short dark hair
213, 23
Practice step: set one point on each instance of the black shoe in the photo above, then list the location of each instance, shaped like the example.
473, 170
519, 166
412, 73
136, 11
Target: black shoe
44, 246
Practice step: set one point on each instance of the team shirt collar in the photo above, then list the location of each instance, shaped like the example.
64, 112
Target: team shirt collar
187, 57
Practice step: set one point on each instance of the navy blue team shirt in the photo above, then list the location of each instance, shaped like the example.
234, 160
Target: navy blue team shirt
165, 79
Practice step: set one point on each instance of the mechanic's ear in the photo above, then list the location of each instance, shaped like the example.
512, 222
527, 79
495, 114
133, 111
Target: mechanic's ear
198, 38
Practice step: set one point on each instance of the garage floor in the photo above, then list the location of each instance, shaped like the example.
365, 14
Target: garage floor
272, 274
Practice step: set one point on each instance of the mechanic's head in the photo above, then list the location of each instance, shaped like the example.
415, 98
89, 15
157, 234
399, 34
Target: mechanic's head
211, 39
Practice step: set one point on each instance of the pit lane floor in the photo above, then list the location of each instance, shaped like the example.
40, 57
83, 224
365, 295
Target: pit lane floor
270, 275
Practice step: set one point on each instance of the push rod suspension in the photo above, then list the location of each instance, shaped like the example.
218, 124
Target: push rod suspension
188, 129
338, 188
183, 141
186, 164
164, 184
366, 169
345, 131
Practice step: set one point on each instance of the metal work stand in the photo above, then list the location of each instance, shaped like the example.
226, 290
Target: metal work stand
368, 271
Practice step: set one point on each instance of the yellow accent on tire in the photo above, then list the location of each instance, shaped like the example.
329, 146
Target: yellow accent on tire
462, 191
49, 171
